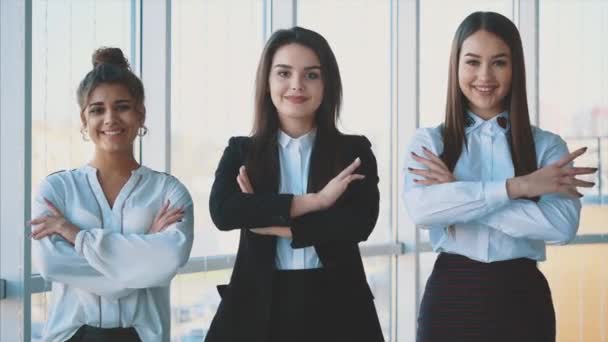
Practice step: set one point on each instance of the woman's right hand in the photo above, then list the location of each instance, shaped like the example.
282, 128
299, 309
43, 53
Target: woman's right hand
558, 177
336, 187
165, 217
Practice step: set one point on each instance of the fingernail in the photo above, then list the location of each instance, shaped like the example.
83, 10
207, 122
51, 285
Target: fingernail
409, 168
424, 148
414, 153
585, 149
415, 181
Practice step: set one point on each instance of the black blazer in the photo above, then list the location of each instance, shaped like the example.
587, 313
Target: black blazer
243, 314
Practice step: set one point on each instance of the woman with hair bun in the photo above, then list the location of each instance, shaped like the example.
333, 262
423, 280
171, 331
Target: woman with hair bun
111, 234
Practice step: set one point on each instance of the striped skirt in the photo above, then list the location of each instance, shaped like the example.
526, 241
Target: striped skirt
467, 300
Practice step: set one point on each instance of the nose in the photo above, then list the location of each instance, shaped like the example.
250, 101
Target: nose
296, 84
485, 72
110, 117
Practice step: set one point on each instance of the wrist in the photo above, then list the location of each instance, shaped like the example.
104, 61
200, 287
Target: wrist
517, 187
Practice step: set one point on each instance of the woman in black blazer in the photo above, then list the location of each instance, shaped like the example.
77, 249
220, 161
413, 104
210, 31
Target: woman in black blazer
292, 190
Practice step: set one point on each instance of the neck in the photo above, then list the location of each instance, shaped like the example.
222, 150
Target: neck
296, 128
114, 163
486, 114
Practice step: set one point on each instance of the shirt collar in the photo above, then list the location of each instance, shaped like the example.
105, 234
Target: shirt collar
473, 121
305, 141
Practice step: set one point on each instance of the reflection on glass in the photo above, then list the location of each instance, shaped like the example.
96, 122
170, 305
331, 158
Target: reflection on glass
578, 278
363, 54
64, 36
438, 22
194, 301
573, 90
215, 49
40, 304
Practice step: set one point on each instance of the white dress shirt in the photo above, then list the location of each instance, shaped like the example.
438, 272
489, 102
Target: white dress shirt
487, 225
294, 161
115, 275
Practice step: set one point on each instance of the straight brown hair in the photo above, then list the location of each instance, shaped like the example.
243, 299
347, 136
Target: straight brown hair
261, 162
521, 141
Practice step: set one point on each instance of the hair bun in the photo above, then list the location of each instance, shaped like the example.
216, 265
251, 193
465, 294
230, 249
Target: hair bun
110, 55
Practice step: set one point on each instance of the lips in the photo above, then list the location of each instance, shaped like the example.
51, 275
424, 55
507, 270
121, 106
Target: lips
113, 132
297, 99
485, 89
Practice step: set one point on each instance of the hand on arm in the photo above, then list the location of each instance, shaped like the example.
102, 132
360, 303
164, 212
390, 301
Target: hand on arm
558, 177
437, 172
55, 223
165, 217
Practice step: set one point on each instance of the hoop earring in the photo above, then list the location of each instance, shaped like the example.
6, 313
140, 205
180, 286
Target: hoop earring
84, 133
143, 130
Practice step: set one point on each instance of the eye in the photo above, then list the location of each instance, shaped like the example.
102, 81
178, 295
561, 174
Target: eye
123, 107
500, 63
472, 62
95, 110
283, 73
313, 75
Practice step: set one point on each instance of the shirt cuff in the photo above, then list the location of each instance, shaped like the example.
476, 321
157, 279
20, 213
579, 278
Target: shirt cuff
79, 242
496, 193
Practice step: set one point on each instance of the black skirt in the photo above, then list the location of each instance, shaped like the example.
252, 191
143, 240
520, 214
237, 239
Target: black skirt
304, 310
87, 333
467, 300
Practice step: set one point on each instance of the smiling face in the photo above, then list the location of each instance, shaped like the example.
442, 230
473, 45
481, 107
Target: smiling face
112, 118
295, 83
485, 73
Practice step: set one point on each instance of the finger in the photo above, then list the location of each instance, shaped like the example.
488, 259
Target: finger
426, 181
170, 213
570, 157
260, 231
40, 233
577, 182
354, 178
246, 180
424, 173
242, 185
52, 207
162, 210
571, 192
573, 171
434, 158
429, 163
173, 218
350, 168
37, 221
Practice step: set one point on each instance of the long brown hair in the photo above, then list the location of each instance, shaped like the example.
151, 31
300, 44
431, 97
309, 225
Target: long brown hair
521, 141
261, 163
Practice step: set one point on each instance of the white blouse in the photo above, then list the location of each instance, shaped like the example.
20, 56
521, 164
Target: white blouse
488, 226
115, 275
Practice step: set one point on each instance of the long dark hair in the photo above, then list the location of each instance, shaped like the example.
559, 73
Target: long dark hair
521, 141
261, 163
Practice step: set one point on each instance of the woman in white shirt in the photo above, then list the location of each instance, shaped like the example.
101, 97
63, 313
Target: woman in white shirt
111, 234
492, 190
303, 195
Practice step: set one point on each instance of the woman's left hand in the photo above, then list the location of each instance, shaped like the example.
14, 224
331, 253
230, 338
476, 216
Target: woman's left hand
437, 172
53, 224
245, 185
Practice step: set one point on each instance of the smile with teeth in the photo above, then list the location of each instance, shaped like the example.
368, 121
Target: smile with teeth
113, 132
485, 89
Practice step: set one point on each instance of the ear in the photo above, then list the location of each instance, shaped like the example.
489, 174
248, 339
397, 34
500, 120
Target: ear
141, 109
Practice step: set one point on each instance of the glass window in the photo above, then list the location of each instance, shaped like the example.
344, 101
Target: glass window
215, 50
64, 35
573, 91
438, 23
363, 54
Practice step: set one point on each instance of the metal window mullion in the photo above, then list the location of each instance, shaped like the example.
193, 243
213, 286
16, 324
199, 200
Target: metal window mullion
407, 99
155, 66
15, 167
526, 16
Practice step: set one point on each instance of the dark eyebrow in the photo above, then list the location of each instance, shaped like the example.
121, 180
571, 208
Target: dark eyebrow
290, 67
470, 54
100, 103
